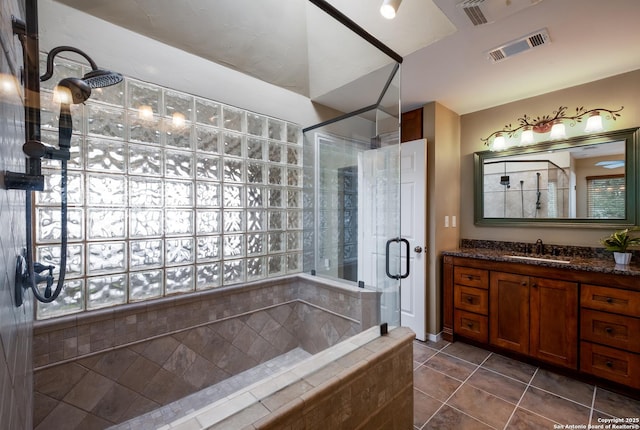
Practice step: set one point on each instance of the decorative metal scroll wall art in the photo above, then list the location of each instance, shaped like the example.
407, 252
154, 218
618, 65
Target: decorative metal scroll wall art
554, 124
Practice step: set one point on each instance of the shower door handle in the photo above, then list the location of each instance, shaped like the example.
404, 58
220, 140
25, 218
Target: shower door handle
406, 242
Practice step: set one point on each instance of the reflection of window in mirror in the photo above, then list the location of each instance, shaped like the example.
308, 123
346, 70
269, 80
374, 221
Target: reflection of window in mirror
598, 167
605, 196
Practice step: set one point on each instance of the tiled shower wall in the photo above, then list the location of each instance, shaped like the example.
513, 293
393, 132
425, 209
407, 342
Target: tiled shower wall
517, 197
15, 323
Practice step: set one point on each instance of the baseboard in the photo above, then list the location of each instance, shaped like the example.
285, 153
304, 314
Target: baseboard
434, 337
431, 337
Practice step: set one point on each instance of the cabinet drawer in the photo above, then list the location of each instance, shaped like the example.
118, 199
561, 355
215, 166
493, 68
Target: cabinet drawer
607, 299
471, 325
613, 364
471, 299
610, 329
471, 277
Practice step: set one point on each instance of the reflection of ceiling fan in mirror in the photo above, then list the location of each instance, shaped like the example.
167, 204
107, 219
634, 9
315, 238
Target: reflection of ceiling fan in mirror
611, 164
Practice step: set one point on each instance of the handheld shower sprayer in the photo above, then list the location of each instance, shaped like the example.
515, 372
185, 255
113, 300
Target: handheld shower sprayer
69, 91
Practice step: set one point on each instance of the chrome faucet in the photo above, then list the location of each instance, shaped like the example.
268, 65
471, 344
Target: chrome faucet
539, 247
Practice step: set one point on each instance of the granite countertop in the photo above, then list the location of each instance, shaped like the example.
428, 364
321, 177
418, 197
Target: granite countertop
601, 265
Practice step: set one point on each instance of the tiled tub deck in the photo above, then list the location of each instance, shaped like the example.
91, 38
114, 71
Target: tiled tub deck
101, 368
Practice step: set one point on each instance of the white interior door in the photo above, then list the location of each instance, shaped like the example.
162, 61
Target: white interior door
413, 228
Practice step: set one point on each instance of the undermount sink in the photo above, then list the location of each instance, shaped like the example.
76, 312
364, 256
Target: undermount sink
548, 260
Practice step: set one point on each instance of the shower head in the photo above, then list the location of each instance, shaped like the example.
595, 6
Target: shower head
72, 91
98, 78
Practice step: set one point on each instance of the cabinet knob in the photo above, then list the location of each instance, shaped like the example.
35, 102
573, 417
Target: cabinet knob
524, 283
418, 249
609, 300
469, 299
534, 285
609, 330
609, 364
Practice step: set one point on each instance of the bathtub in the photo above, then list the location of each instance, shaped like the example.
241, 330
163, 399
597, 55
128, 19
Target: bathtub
111, 366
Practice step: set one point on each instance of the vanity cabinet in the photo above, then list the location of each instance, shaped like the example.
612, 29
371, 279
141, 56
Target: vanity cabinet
535, 316
471, 302
583, 321
609, 328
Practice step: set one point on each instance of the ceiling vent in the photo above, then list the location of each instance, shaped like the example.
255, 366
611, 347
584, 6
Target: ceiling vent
480, 12
525, 43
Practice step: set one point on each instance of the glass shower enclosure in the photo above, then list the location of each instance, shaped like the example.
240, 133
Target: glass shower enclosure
351, 186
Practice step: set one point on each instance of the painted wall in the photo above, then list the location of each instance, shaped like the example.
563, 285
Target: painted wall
610, 93
442, 131
136, 56
16, 381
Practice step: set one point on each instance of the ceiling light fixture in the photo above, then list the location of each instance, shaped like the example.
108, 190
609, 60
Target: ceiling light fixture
554, 123
389, 8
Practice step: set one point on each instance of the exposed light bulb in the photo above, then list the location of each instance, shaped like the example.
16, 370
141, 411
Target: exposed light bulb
557, 131
594, 123
389, 8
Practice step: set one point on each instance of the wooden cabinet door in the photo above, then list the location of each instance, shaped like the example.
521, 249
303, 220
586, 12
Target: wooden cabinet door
411, 125
509, 311
554, 321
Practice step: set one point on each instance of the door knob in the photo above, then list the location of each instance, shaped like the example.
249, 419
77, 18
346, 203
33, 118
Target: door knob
418, 249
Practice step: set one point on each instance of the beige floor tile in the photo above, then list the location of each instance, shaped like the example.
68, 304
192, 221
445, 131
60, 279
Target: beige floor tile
435, 384
423, 407
564, 387
482, 406
525, 420
467, 352
616, 405
494, 383
422, 352
509, 367
449, 418
451, 366
554, 408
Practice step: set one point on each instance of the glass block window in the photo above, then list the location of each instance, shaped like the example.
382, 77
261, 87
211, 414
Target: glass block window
168, 193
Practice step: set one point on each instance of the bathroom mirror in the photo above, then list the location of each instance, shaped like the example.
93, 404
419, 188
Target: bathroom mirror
587, 181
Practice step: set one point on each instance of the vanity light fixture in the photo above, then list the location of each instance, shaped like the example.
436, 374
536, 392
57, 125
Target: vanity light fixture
389, 8
499, 143
558, 131
554, 124
526, 138
594, 123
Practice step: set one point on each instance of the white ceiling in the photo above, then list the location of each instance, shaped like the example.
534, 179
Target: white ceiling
293, 45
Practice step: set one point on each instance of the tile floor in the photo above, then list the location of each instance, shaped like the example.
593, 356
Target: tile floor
458, 386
